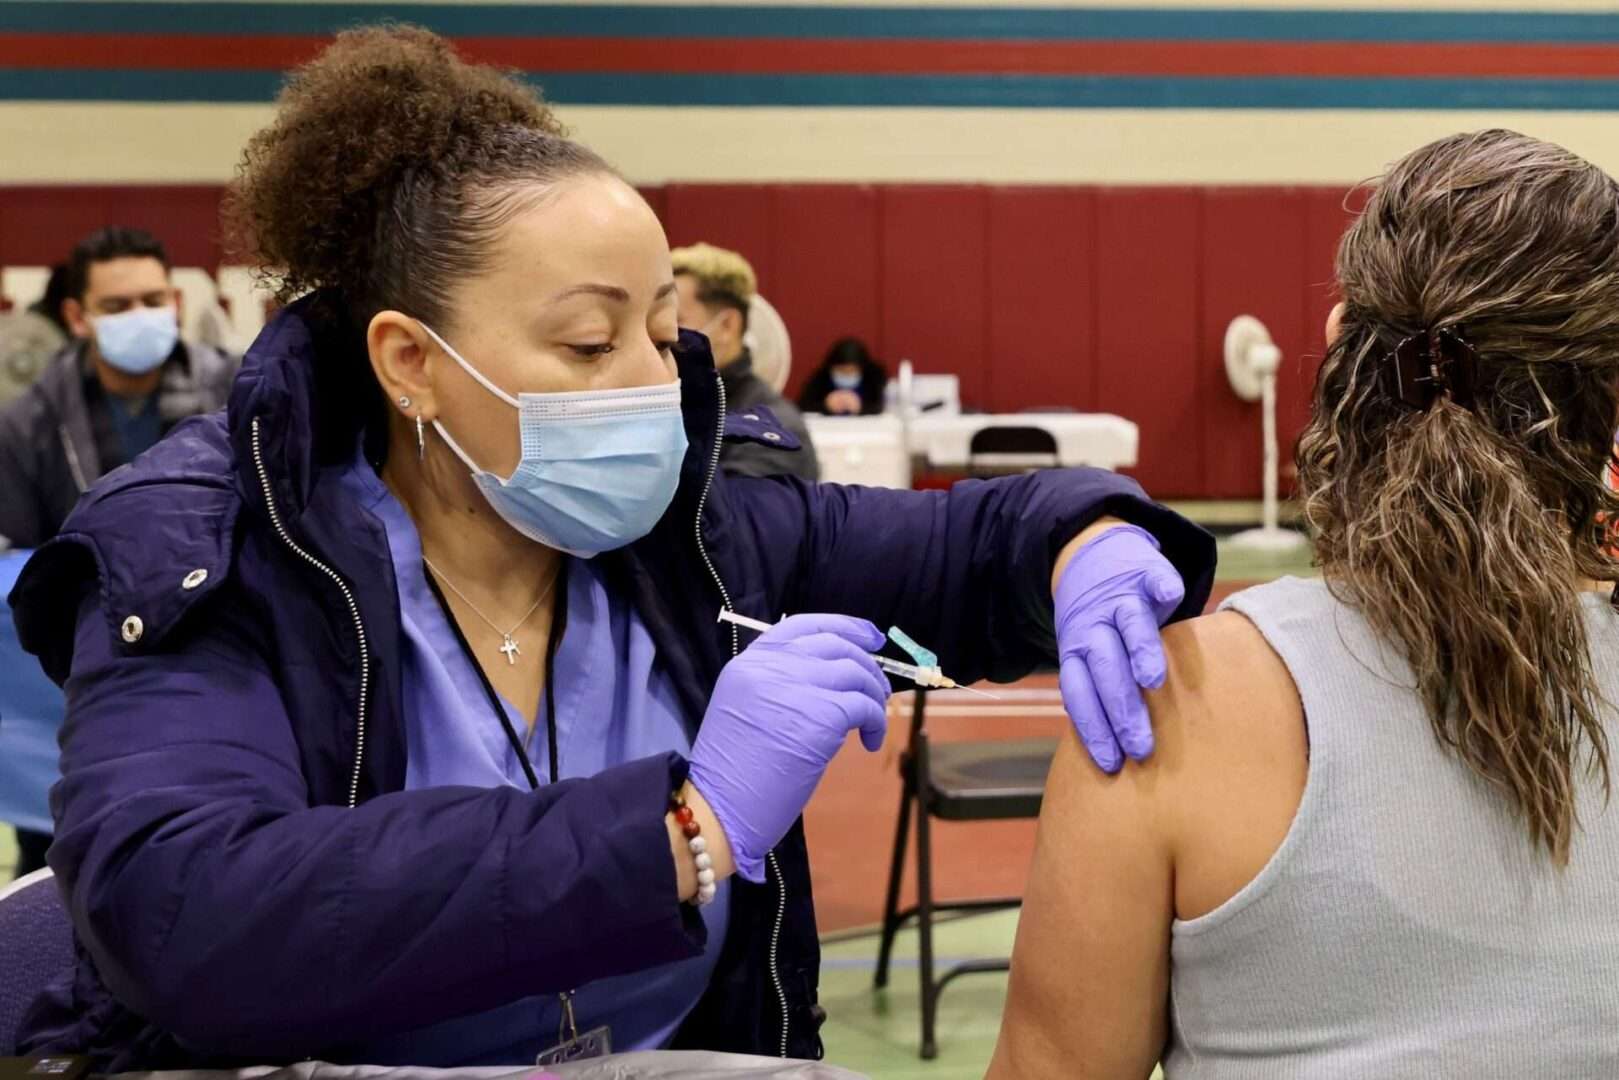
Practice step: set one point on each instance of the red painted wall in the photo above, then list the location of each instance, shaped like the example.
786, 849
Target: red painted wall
1096, 298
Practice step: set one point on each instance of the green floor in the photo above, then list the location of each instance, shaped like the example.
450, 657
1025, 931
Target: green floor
878, 1032
1237, 564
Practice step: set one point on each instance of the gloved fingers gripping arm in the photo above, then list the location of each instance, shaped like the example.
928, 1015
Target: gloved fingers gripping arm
1112, 590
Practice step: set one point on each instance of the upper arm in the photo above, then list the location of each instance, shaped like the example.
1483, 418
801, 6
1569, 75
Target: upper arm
1090, 972
149, 744
1119, 858
967, 571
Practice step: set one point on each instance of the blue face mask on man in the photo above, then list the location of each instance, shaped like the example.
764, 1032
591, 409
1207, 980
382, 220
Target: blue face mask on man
598, 467
137, 341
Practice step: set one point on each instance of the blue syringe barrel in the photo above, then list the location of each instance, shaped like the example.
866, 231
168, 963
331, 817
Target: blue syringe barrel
929, 677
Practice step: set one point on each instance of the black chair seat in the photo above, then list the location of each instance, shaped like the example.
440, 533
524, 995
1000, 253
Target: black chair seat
1010, 439
986, 781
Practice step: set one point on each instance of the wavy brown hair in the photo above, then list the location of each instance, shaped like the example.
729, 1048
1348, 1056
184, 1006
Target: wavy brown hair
1463, 534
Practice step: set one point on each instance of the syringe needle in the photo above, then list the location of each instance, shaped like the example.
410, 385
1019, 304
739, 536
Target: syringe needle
895, 667
980, 693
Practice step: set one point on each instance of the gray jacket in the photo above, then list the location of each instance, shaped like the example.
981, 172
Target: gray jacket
48, 455
743, 391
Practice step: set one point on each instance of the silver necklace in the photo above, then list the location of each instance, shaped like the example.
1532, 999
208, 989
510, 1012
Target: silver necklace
508, 644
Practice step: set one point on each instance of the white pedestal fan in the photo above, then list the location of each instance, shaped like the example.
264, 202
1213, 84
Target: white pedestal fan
769, 343
1251, 363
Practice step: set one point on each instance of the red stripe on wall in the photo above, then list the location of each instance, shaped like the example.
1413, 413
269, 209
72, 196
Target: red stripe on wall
1098, 299
1148, 344
935, 282
827, 275
1042, 299
40, 225
736, 216
722, 56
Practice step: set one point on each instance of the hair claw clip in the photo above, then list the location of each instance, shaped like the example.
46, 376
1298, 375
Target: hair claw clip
1430, 363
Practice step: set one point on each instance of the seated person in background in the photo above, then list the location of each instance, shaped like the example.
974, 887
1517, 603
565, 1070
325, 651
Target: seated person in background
714, 288
110, 394
1375, 838
848, 382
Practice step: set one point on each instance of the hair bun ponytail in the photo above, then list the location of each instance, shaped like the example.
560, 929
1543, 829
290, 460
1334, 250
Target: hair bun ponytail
375, 109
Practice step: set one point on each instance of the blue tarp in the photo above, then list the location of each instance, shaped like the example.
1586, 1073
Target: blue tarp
31, 708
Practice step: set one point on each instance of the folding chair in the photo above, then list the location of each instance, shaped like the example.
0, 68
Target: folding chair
1010, 449
989, 780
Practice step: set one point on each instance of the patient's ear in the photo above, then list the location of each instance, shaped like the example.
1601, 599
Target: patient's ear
1335, 318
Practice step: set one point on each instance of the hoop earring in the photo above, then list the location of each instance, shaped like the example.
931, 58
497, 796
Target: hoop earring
421, 440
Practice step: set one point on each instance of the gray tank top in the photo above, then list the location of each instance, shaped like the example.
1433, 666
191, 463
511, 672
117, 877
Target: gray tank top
1405, 928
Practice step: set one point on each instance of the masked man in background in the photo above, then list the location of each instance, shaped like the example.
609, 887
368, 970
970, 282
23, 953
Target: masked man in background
112, 393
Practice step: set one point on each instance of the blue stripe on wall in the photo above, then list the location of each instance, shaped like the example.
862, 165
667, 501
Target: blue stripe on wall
1093, 92
982, 23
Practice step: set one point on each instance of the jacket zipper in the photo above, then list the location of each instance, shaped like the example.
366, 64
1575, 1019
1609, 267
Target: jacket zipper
348, 597
72, 453
736, 647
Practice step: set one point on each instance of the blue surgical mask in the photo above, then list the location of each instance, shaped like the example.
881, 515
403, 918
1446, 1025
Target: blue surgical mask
844, 380
137, 341
598, 467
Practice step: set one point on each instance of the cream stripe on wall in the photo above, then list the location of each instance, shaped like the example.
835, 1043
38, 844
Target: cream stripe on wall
79, 143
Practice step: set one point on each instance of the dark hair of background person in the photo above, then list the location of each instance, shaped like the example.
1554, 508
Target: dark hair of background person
105, 245
1463, 533
56, 291
390, 171
849, 350
844, 353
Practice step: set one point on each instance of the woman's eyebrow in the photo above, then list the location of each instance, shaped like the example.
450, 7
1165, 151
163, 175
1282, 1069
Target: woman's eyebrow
612, 292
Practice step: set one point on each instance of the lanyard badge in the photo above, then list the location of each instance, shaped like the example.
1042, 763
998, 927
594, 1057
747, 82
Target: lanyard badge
571, 1045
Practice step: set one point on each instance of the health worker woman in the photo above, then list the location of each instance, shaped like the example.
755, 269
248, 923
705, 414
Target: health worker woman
400, 728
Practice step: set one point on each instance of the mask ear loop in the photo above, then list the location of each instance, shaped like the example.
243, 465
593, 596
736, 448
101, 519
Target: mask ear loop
483, 382
469, 369
421, 441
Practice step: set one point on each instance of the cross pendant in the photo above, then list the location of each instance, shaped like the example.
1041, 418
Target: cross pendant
509, 647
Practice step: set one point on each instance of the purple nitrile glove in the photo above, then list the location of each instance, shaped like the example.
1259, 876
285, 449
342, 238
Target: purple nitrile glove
1111, 599
779, 714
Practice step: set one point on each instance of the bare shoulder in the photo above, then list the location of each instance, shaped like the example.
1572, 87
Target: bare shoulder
1223, 678
1234, 753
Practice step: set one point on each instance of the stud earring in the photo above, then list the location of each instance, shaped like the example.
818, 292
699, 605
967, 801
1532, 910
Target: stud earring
421, 441
404, 402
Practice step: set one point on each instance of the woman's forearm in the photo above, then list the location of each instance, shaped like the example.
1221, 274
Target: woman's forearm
719, 846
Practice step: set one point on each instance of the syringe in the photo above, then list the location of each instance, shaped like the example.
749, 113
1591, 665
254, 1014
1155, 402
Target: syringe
932, 678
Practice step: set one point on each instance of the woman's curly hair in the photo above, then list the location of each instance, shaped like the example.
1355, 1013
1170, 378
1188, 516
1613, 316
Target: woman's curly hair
389, 170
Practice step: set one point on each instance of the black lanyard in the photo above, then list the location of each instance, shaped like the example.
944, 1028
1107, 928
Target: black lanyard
559, 621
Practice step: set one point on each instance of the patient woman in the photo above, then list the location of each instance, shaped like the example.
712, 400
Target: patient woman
1376, 840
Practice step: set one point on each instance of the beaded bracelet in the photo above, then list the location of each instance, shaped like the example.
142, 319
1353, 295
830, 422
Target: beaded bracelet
707, 886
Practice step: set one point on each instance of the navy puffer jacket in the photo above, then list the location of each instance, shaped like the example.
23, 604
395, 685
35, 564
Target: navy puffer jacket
248, 879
